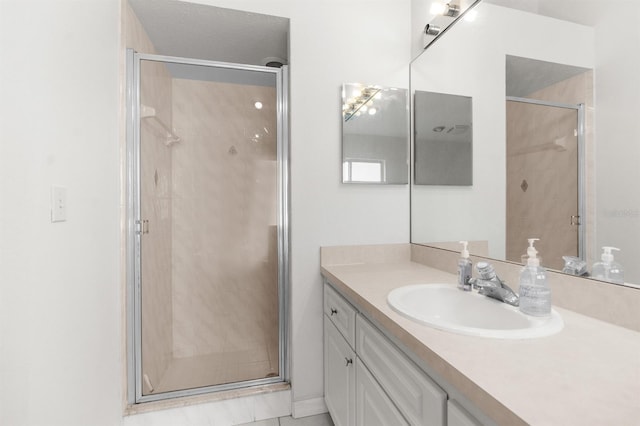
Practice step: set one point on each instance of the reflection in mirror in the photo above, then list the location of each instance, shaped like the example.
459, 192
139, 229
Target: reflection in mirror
442, 139
594, 51
375, 134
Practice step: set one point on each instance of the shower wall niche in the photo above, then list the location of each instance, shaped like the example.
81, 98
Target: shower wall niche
208, 226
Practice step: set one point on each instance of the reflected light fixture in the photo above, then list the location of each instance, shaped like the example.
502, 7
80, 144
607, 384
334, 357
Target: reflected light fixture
361, 102
258, 105
431, 30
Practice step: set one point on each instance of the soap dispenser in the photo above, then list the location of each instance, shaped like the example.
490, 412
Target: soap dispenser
535, 293
464, 268
607, 269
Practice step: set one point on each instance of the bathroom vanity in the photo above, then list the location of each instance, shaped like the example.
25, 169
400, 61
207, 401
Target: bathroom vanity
383, 368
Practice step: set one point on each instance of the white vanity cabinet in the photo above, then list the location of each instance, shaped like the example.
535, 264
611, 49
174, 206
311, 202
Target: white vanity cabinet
350, 391
339, 358
369, 381
339, 376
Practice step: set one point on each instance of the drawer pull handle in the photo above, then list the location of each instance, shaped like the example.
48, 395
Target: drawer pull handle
349, 361
334, 311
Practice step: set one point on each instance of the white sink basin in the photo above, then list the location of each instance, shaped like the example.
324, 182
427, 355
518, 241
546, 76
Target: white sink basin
445, 307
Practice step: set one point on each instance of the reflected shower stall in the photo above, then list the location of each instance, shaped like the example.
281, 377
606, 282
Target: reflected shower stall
545, 163
207, 226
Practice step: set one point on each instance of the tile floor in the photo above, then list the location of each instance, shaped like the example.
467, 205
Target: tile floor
319, 420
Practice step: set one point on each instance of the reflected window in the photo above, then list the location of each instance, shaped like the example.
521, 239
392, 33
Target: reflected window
371, 171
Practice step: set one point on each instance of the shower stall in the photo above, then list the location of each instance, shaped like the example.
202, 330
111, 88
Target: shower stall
207, 226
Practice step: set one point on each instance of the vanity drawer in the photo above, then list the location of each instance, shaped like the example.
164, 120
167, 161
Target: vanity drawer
419, 399
341, 314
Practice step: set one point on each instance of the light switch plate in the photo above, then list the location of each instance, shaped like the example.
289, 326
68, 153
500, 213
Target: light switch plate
58, 203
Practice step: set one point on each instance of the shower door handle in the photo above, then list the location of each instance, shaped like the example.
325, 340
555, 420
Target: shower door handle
144, 228
575, 220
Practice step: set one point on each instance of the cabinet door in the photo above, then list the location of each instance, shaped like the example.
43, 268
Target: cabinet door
339, 376
418, 397
374, 408
458, 416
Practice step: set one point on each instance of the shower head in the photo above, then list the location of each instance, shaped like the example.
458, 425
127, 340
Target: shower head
273, 62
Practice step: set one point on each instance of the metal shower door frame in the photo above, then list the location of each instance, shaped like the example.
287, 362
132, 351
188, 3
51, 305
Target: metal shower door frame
134, 223
580, 110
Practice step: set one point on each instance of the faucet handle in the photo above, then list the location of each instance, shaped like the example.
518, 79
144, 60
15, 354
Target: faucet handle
485, 270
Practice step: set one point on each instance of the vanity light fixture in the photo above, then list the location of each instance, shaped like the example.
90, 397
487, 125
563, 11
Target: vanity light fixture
431, 30
445, 9
451, 10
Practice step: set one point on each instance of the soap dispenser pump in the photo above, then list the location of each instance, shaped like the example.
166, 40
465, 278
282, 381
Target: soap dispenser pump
535, 293
608, 269
464, 268
532, 253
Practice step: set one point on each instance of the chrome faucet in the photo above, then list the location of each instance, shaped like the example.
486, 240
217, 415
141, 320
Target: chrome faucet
488, 284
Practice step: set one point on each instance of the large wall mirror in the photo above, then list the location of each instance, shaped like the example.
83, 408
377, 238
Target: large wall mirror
556, 136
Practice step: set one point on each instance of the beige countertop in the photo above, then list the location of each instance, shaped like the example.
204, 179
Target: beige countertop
588, 374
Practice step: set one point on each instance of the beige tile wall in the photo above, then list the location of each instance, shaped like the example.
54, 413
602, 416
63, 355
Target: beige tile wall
224, 266
551, 175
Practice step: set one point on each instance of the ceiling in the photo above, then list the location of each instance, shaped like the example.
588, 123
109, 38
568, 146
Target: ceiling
525, 76
584, 12
198, 31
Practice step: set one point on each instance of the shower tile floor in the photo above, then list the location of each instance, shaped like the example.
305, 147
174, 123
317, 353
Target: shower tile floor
219, 368
319, 420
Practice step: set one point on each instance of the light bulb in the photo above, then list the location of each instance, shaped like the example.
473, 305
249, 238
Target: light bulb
437, 9
258, 105
372, 111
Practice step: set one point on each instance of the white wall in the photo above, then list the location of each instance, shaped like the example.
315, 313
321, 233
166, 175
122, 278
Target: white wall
60, 360
60, 347
459, 63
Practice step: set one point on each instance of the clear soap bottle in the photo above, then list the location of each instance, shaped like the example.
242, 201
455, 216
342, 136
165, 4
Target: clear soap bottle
608, 269
535, 293
464, 268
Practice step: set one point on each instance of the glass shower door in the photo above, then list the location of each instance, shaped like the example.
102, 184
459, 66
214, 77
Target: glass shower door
544, 188
209, 227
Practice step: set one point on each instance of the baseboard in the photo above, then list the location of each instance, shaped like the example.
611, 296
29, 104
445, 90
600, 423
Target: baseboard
308, 407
